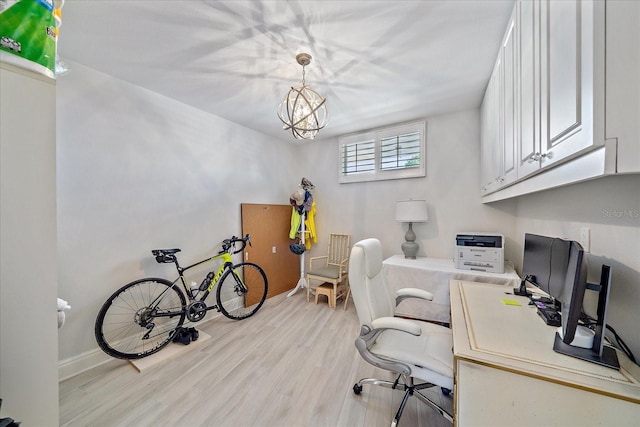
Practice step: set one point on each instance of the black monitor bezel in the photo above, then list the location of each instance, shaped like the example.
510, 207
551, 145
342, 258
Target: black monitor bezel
573, 292
545, 262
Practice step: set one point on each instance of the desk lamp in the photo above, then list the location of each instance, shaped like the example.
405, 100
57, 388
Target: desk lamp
411, 211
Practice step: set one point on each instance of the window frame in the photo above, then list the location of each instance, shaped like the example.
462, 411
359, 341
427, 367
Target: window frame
377, 135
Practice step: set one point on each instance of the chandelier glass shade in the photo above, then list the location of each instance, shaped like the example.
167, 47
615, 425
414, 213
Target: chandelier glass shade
303, 111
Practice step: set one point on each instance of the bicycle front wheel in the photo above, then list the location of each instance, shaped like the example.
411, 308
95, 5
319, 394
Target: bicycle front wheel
140, 318
242, 290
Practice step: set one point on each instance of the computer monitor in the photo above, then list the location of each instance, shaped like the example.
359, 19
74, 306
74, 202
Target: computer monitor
545, 262
572, 338
571, 299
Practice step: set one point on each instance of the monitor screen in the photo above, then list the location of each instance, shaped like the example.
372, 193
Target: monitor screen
546, 259
573, 292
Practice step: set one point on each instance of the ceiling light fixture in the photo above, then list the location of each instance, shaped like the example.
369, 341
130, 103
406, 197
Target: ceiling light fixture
303, 110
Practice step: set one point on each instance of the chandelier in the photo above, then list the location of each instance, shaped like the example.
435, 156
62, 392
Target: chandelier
303, 110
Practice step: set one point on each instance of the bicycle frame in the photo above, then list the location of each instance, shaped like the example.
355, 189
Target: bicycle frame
226, 262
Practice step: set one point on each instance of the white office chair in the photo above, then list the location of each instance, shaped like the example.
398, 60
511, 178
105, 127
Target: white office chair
412, 349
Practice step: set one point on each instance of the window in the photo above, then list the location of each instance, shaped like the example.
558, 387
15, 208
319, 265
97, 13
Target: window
388, 153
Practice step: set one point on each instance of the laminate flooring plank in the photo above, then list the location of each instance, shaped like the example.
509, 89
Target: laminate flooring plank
292, 364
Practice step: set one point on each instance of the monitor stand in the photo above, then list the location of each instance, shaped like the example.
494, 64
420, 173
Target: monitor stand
598, 352
522, 290
609, 358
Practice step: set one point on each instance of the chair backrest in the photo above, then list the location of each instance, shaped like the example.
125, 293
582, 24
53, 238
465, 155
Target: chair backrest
371, 295
338, 248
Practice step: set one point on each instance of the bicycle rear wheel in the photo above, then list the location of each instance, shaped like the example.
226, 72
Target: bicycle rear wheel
137, 319
242, 290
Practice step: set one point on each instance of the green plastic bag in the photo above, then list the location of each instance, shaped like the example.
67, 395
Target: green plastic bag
28, 34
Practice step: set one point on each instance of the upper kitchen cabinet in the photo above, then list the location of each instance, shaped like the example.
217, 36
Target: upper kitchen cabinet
491, 135
571, 92
572, 59
622, 111
499, 117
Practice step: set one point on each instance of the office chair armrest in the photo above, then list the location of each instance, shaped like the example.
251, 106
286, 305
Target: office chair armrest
396, 323
406, 293
368, 337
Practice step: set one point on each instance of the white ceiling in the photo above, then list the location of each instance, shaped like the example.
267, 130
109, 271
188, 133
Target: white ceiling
376, 62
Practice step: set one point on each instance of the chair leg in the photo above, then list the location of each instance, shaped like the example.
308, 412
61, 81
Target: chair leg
334, 295
396, 419
410, 390
346, 298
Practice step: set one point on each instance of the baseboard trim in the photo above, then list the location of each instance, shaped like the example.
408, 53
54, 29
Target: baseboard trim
75, 365
83, 362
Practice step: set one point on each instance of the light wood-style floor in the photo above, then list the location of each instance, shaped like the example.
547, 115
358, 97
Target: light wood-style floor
291, 364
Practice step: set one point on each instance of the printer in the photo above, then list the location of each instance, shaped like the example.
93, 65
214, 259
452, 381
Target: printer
480, 252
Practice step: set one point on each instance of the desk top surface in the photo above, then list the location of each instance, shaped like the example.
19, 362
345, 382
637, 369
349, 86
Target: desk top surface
486, 330
446, 265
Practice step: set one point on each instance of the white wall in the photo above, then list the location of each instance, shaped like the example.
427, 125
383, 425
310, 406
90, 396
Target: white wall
138, 171
451, 189
610, 208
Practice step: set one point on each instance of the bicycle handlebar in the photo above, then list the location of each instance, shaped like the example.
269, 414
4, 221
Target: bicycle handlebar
227, 244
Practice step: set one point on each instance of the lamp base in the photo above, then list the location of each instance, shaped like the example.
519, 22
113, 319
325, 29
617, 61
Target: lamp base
410, 249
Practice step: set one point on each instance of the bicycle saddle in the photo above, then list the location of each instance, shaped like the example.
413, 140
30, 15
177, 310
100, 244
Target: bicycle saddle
165, 255
157, 252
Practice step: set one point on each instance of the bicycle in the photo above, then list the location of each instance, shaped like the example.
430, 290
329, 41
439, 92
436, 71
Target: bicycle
143, 316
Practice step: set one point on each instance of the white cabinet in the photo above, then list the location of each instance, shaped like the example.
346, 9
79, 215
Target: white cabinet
556, 81
509, 102
622, 112
557, 57
491, 138
571, 78
499, 117
28, 273
528, 142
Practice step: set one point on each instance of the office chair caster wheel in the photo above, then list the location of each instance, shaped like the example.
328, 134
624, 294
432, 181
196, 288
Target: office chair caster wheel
445, 391
357, 389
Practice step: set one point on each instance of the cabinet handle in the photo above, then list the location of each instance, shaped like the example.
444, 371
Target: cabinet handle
538, 156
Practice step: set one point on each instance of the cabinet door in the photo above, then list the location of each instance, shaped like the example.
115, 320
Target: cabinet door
567, 79
529, 87
491, 139
623, 82
508, 168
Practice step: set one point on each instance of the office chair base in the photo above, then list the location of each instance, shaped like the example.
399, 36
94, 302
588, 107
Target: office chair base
410, 389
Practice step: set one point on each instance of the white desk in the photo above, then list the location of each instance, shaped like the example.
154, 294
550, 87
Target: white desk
507, 374
433, 275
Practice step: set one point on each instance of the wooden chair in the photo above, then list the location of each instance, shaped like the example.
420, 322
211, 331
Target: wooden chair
331, 268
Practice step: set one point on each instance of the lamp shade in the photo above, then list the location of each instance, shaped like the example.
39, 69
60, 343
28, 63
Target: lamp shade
412, 211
